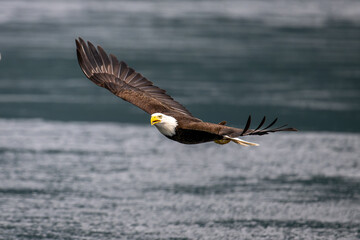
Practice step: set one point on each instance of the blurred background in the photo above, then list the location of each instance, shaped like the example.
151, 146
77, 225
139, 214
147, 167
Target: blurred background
77, 162
223, 60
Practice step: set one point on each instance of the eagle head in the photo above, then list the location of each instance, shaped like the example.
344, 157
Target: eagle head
164, 123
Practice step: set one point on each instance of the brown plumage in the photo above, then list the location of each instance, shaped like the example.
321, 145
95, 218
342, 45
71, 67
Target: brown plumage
106, 71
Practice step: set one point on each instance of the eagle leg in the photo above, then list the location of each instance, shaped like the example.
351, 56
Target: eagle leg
222, 141
239, 141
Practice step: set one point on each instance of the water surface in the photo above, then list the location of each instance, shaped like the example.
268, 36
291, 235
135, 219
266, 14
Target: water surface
94, 181
78, 163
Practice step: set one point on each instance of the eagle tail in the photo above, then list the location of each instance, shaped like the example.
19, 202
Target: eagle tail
239, 141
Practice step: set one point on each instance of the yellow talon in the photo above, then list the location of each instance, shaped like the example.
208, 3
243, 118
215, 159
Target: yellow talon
222, 141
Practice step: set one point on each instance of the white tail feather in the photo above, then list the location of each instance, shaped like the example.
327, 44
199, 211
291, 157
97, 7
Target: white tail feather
241, 142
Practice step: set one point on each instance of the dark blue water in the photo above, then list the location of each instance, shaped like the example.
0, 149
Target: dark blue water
298, 60
78, 163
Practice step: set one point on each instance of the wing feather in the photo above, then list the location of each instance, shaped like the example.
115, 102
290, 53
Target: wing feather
107, 66
115, 65
97, 59
106, 71
259, 131
261, 123
222, 130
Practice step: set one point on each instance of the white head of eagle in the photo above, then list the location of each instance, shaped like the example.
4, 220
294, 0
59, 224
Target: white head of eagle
164, 123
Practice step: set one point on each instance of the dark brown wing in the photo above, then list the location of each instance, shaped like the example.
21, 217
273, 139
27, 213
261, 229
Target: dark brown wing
265, 130
106, 71
222, 130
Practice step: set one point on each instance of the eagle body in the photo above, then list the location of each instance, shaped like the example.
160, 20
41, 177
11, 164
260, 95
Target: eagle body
191, 136
188, 136
171, 118
173, 128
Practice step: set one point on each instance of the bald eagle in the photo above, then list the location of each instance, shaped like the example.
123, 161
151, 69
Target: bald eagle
170, 117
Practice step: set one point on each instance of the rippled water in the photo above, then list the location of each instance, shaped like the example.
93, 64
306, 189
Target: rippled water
78, 163
105, 181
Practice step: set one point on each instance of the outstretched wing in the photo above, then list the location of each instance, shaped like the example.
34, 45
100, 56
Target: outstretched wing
222, 130
107, 72
262, 131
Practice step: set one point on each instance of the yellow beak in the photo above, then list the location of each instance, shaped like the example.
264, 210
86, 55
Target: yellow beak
155, 120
